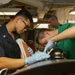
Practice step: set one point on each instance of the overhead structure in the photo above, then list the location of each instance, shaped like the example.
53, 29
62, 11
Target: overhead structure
2, 2
41, 10
61, 1
34, 3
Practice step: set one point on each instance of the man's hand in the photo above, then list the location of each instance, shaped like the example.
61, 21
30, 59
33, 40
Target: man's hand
49, 46
38, 56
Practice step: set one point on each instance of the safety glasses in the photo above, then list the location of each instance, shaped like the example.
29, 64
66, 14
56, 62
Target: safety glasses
26, 26
3, 71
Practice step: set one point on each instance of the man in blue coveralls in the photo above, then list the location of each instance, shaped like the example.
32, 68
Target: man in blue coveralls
10, 55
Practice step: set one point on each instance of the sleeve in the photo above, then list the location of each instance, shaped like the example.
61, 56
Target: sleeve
23, 48
2, 53
65, 26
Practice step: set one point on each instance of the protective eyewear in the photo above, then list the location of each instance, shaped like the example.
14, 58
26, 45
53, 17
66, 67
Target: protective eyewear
26, 26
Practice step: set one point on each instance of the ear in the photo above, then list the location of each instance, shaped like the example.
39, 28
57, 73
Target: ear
46, 33
17, 18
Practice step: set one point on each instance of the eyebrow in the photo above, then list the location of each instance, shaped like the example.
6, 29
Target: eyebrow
23, 21
26, 26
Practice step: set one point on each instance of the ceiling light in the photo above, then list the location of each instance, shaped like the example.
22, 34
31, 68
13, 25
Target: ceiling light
1, 13
71, 20
72, 12
42, 25
35, 19
9, 11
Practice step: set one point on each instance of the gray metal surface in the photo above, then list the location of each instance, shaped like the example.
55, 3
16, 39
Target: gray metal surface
49, 67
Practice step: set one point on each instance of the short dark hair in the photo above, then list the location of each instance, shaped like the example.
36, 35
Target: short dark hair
53, 17
40, 34
25, 14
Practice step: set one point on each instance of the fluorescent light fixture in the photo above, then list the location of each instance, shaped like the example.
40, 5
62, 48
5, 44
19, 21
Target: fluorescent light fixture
9, 11
72, 12
71, 20
35, 19
1, 13
43, 25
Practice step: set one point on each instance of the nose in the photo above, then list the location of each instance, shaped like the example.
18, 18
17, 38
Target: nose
25, 29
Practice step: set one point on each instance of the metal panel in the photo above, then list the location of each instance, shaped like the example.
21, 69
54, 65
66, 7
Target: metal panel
62, 1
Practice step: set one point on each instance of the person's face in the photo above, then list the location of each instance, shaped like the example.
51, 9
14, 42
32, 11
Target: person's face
44, 40
22, 25
52, 22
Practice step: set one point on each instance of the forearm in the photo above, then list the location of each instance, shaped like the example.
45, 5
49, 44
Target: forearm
67, 34
11, 63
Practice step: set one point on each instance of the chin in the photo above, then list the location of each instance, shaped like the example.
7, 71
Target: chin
18, 32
